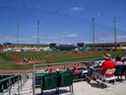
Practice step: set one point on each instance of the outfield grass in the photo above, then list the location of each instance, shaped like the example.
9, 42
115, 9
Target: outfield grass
12, 66
51, 57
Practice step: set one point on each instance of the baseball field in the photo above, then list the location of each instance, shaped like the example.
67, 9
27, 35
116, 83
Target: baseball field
25, 60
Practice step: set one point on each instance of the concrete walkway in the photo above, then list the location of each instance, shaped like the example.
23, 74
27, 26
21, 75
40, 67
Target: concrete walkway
83, 88
80, 88
27, 88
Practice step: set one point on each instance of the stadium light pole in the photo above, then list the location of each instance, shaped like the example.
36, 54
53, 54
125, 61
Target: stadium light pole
18, 33
38, 26
115, 31
93, 32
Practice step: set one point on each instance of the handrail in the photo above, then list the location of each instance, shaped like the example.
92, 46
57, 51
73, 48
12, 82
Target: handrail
6, 79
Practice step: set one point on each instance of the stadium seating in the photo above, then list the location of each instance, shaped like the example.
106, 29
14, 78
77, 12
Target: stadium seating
47, 81
7, 81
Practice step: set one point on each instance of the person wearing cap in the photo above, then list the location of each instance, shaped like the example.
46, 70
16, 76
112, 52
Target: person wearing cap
107, 64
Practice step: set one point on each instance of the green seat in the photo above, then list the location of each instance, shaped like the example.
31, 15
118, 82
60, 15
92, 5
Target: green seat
39, 77
47, 81
50, 81
66, 78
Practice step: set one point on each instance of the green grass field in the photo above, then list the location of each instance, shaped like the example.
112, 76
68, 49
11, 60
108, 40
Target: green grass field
7, 59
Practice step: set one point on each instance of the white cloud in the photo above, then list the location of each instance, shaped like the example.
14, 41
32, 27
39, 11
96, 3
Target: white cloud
40, 37
7, 37
72, 35
67, 35
110, 38
104, 39
121, 37
76, 8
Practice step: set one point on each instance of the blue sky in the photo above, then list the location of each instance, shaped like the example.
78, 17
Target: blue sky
61, 21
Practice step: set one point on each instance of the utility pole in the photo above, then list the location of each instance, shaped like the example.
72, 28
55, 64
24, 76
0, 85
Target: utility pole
38, 25
93, 32
115, 31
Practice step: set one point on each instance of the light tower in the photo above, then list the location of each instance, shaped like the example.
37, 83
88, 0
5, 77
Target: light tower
18, 33
115, 31
38, 34
93, 32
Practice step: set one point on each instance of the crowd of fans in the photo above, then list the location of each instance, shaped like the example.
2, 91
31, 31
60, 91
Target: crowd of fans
109, 67
113, 68
118, 65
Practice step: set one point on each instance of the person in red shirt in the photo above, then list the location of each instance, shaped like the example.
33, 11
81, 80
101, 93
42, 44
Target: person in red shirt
107, 64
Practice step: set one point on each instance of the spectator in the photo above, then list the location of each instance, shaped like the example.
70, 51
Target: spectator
57, 70
124, 66
118, 61
50, 69
58, 80
119, 68
107, 64
124, 61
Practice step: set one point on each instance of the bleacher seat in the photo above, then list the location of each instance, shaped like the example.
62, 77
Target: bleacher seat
47, 81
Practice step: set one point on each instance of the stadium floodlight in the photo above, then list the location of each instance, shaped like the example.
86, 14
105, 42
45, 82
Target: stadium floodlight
38, 26
93, 31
